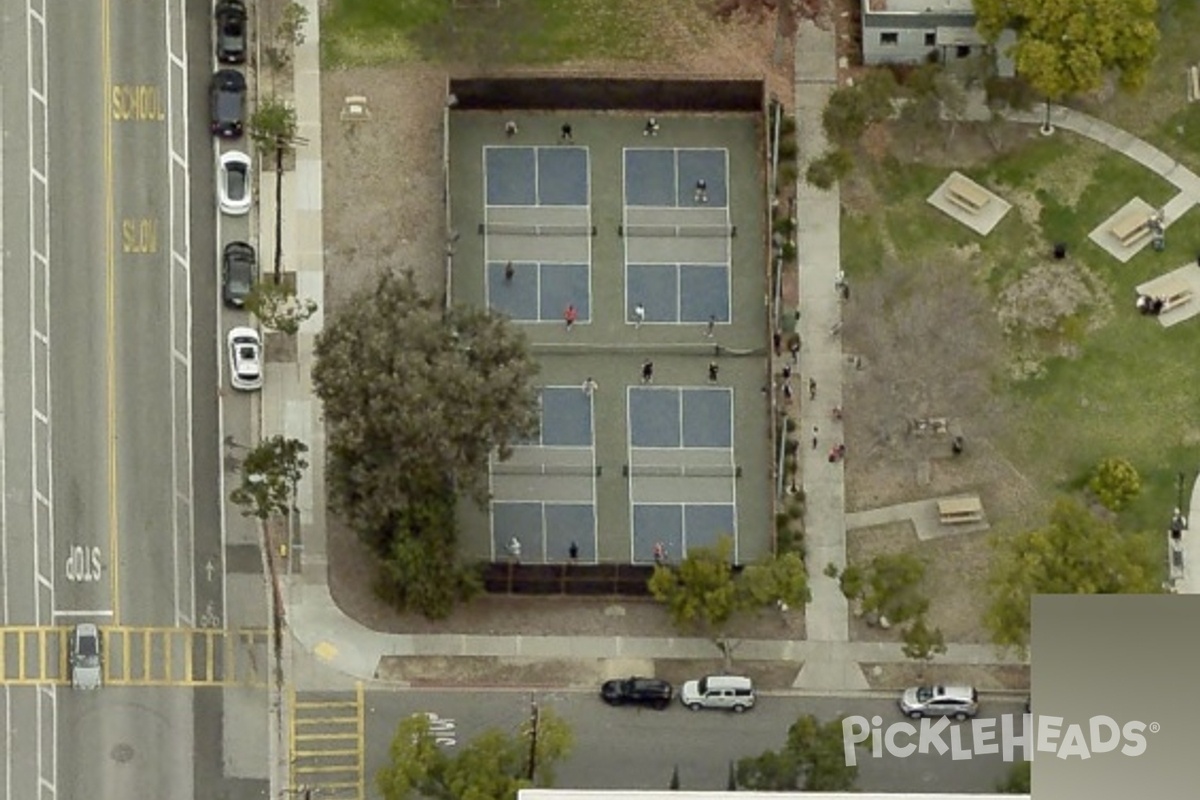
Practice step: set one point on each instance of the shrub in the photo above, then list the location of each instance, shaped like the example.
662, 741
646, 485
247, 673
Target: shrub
788, 148
829, 169
1115, 482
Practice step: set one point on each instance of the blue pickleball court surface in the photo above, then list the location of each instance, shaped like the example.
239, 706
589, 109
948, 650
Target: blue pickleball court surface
670, 417
540, 292
678, 293
666, 177
536, 176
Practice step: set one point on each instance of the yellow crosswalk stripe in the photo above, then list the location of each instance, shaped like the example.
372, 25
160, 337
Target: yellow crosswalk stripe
326, 742
136, 656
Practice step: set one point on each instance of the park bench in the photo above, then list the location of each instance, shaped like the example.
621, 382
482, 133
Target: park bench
1194, 82
960, 510
1131, 227
1178, 296
966, 195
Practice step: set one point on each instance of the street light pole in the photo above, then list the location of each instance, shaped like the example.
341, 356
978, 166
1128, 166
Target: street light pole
279, 145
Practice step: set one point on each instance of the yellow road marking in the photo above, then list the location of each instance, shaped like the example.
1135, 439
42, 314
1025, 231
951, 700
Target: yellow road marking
362, 739
114, 558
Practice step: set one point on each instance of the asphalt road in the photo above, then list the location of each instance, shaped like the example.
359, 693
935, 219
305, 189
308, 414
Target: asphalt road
25, 551
627, 748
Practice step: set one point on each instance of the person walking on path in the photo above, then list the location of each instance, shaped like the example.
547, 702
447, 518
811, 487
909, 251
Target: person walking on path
647, 371
814, 438
712, 371
786, 372
778, 342
639, 315
590, 386
787, 392
812, 389
567, 134
794, 347
509, 271
570, 315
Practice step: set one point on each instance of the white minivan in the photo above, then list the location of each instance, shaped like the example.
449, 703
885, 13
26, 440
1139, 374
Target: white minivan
718, 691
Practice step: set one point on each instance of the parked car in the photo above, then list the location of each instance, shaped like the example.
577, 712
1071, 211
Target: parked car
87, 670
231, 32
239, 272
233, 183
637, 691
959, 702
719, 691
227, 102
245, 359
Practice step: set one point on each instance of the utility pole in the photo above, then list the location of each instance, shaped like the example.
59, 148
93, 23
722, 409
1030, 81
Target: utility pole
280, 143
533, 738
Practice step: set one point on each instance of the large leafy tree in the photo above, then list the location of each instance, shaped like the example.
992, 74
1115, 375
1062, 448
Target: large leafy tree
270, 472
813, 759
1067, 46
493, 766
1076, 552
704, 593
416, 398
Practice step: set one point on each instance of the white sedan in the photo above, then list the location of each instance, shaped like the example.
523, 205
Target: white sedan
245, 359
233, 182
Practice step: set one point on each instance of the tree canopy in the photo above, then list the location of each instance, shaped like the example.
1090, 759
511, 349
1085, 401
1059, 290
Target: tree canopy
1076, 552
493, 766
270, 472
416, 398
1067, 46
813, 759
703, 591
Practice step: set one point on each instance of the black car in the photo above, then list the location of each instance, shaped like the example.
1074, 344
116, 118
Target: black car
239, 271
231, 32
637, 691
228, 103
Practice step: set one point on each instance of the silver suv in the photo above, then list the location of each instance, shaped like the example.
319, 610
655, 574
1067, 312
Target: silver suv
86, 668
960, 702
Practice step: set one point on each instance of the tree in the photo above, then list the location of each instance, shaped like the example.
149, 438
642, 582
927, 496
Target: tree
1115, 482
1075, 553
852, 108
420, 571
278, 308
813, 759
270, 473
922, 643
703, 592
830, 168
273, 125
493, 766
289, 34
1066, 47
1019, 780
889, 586
417, 398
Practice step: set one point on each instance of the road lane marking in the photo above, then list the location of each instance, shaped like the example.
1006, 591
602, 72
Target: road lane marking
105, 612
137, 103
139, 236
110, 320
326, 744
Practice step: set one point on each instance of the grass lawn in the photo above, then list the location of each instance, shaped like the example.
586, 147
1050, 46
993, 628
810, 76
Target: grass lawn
375, 32
1128, 387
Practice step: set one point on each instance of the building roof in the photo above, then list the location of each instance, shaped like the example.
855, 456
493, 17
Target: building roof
919, 6
574, 794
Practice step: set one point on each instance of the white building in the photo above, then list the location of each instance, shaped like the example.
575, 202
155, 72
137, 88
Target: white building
917, 31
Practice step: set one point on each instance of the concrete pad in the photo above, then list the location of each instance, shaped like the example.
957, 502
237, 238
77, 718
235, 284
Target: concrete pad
983, 221
1186, 277
1103, 235
922, 514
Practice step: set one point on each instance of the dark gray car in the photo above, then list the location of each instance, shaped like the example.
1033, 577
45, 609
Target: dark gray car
239, 273
231, 32
227, 99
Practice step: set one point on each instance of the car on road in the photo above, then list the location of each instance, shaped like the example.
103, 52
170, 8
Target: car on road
239, 272
233, 183
245, 359
227, 101
231, 32
960, 702
731, 692
637, 692
87, 671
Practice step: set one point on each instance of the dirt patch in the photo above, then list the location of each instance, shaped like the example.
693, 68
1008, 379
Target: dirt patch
570, 673
985, 679
955, 579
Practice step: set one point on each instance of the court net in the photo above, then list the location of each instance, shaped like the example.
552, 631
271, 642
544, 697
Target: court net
566, 470
518, 229
682, 471
678, 231
703, 347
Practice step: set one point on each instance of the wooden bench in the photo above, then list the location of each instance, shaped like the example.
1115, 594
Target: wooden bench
1131, 227
1177, 298
960, 510
1194, 82
967, 195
